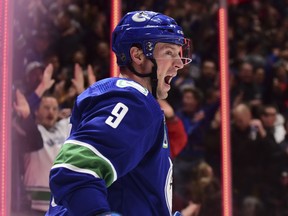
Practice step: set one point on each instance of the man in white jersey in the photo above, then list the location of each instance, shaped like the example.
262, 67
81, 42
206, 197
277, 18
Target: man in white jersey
38, 163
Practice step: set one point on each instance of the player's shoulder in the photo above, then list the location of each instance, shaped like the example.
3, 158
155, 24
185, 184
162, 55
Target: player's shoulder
134, 93
117, 84
118, 88
132, 86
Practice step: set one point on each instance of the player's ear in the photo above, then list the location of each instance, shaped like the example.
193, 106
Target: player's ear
137, 55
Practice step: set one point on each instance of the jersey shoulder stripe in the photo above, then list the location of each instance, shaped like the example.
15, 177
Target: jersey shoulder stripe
74, 156
121, 83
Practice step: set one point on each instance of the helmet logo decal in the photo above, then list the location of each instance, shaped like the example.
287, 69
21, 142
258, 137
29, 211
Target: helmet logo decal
149, 46
140, 17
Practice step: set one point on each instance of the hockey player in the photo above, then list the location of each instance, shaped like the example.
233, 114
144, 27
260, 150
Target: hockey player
116, 158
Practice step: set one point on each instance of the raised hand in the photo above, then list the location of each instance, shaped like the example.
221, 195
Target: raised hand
46, 82
21, 105
192, 209
256, 123
198, 116
78, 81
168, 110
91, 76
64, 113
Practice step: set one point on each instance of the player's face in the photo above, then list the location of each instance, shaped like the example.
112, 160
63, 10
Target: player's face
47, 112
168, 63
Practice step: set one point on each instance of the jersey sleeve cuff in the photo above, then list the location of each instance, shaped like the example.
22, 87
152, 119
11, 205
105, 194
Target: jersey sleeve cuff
87, 201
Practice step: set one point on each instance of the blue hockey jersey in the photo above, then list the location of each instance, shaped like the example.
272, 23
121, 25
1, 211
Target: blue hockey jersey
116, 157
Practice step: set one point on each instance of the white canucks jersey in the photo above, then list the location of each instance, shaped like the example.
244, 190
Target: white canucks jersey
38, 164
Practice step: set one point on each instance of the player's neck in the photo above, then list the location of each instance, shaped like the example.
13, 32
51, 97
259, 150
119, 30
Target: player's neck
144, 81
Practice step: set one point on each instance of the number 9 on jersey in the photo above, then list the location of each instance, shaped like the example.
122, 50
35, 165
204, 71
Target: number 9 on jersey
117, 114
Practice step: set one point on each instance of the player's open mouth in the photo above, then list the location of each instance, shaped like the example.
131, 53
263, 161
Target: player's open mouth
168, 79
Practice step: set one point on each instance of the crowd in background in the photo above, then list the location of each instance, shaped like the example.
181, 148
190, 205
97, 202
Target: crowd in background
62, 46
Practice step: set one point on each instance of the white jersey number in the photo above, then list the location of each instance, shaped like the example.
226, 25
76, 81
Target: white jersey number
118, 114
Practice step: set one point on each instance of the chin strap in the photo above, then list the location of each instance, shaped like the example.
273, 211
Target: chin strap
154, 78
152, 75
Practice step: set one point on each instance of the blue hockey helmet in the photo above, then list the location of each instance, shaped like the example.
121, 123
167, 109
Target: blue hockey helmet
146, 28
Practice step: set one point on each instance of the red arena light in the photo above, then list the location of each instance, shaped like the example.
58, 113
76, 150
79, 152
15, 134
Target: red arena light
115, 18
5, 107
225, 111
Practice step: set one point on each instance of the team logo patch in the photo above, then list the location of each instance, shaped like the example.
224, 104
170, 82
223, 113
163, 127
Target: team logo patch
126, 83
140, 17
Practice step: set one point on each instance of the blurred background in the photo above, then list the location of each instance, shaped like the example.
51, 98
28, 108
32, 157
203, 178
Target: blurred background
60, 47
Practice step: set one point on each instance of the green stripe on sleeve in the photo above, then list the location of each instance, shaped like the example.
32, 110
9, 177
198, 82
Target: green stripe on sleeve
84, 158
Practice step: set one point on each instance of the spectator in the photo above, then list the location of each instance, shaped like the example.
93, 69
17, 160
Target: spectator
176, 132
246, 86
41, 82
247, 136
196, 118
22, 142
40, 43
70, 37
33, 76
197, 189
209, 76
273, 123
38, 163
279, 88
67, 89
212, 144
102, 50
284, 143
